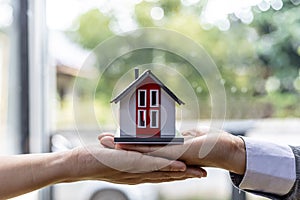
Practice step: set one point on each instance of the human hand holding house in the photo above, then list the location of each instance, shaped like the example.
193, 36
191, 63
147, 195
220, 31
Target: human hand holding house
226, 151
147, 116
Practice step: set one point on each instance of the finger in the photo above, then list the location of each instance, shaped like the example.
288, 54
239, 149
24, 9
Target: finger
158, 177
104, 135
132, 161
174, 166
169, 151
139, 148
195, 171
203, 130
204, 172
142, 148
107, 141
189, 133
150, 163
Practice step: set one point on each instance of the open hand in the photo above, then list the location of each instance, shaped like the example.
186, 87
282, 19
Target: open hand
205, 148
128, 167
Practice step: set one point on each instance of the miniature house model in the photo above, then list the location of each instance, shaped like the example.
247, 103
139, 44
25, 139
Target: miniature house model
147, 112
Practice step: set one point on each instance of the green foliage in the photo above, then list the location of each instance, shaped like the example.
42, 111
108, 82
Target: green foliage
142, 14
279, 41
170, 7
140, 57
286, 104
143, 11
245, 54
93, 28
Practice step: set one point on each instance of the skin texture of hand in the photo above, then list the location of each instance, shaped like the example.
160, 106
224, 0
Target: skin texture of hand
223, 150
24, 173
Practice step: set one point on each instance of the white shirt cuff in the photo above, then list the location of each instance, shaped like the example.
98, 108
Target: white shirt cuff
270, 167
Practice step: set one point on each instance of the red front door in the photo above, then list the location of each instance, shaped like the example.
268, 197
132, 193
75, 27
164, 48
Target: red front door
148, 110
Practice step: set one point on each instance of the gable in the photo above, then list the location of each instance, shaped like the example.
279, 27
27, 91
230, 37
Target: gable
145, 78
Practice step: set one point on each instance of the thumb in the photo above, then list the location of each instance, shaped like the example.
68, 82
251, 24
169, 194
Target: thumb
108, 141
105, 134
203, 130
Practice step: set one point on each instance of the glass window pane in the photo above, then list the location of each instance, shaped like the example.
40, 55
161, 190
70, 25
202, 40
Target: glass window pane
9, 80
154, 118
154, 98
3, 90
142, 98
142, 119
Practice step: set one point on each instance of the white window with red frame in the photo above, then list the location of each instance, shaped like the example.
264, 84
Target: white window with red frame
142, 108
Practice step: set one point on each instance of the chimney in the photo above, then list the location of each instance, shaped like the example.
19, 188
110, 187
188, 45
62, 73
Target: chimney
136, 73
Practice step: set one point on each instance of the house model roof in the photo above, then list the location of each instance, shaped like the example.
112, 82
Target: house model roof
139, 80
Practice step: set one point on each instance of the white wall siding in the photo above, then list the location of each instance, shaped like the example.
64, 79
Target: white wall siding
167, 115
127, 115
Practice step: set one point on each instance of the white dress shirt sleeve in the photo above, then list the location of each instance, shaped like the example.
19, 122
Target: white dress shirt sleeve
270, 167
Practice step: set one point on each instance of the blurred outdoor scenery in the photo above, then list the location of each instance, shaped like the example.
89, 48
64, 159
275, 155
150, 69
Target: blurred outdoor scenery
254, 43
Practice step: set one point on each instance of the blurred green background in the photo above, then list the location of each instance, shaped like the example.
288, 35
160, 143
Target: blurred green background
256, 48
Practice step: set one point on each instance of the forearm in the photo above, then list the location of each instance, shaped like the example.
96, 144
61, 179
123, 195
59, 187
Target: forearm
24, 173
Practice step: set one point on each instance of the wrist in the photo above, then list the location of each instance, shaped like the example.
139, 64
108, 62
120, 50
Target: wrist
238, 156
60, 166
72, 168
63, 166
82, 165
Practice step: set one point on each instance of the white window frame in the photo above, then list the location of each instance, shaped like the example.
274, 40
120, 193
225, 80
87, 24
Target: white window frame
145, 100
157, 94
139, 118
157, 118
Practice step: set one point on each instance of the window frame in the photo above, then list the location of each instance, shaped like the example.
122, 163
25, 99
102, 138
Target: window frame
157, 98
139, 98
139, 118
157, 118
